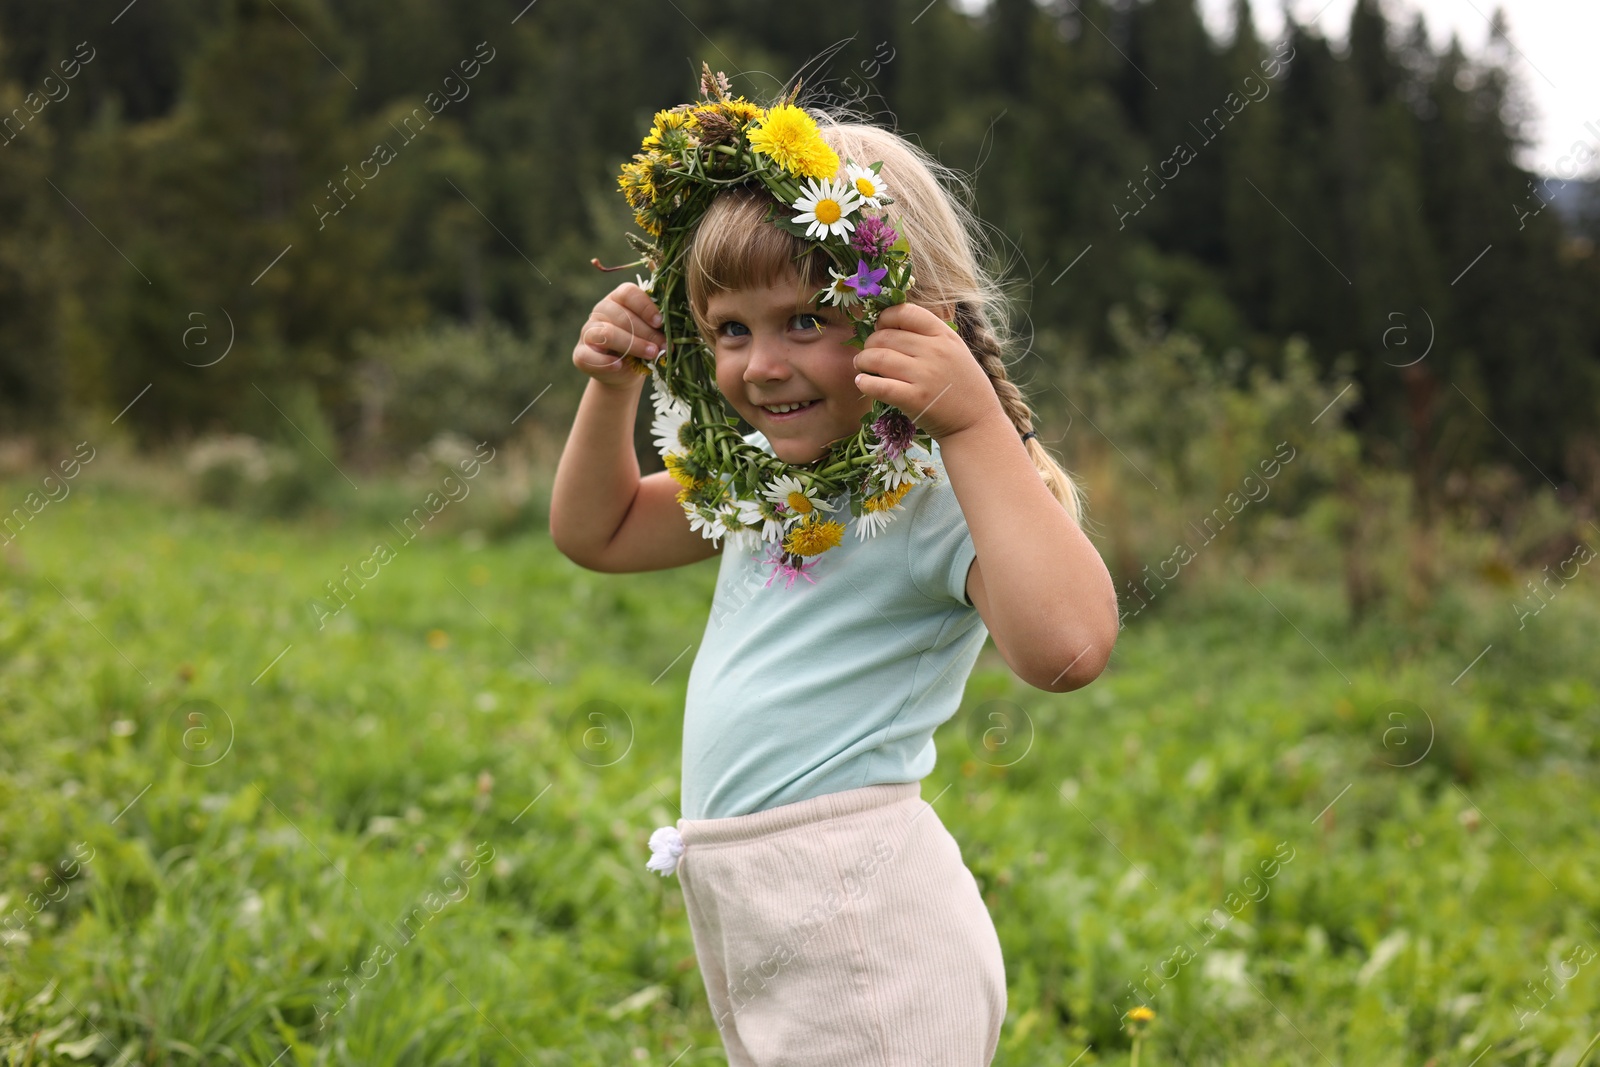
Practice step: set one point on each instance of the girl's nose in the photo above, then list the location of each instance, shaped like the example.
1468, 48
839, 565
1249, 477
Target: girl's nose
768, 360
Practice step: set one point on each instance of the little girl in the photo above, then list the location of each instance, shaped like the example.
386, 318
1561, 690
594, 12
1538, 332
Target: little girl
833, 917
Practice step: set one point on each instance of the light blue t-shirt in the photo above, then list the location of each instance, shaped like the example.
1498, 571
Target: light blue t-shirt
804, 690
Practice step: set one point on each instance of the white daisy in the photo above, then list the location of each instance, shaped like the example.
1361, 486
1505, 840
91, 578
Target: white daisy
869, 523
660, 395
751, 513
733, 527
787, 490
648, 286
706, 522
839, 293
669, 421
892, 472
826, 206
743, 538
866, 184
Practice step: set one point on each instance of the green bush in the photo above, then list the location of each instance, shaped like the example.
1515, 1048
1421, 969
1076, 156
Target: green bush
471, 381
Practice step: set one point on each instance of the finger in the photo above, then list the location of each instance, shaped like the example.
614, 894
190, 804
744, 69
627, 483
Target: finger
591, 358
912, 318
886, 362
887, 390
899, 340
591, 362
647, 309
610, 344
625, 318
614, 340
636, 300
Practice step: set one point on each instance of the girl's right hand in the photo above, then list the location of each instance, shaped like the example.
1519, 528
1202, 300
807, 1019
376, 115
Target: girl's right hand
625, 322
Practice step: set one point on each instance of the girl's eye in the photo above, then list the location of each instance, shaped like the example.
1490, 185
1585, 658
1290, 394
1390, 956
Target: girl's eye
731, 325
817, 321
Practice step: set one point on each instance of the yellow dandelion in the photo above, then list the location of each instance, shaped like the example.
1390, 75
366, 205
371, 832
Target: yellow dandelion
790, 138
704, 111
664, 121
679, 472
637, 185
692, 489
813, 538
877, 511
743, 110
648, 224
1138, 1017
888, 499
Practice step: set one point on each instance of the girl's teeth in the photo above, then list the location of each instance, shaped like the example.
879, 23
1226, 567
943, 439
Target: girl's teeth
788, 407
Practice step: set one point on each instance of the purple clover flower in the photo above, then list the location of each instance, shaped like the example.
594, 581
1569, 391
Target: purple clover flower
873, 236
895, 429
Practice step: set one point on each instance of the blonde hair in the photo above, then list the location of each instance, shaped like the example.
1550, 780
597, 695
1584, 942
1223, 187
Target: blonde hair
732, 248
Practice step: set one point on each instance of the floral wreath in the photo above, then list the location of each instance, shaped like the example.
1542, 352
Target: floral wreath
729, 486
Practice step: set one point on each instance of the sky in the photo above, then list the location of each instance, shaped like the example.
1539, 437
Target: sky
1553, 59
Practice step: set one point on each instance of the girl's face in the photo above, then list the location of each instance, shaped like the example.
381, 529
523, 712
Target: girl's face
771, 351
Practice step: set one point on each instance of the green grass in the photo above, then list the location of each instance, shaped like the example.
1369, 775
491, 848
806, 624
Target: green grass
241, 863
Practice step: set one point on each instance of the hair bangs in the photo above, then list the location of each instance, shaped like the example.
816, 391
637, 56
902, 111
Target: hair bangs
735, 247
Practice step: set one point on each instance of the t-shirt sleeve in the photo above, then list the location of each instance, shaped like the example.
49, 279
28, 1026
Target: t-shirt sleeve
940, 544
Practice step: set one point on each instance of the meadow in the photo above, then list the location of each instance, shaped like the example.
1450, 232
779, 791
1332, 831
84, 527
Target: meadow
235, 829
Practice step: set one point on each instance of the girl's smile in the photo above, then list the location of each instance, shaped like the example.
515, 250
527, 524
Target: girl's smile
774, 350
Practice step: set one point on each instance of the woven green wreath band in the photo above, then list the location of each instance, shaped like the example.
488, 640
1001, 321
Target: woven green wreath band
730, 487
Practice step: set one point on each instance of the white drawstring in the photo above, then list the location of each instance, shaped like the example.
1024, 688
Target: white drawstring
666, 845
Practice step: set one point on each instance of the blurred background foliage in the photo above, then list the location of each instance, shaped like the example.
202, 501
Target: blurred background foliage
203, 139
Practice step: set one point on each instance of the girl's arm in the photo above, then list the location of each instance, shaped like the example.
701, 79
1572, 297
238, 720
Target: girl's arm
602, 515
1038, 582
598, 474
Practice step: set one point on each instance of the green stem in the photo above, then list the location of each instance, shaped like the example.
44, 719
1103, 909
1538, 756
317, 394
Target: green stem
1134, 1062
1585, 1054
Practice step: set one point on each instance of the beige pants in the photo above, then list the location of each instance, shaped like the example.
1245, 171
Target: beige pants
843, 931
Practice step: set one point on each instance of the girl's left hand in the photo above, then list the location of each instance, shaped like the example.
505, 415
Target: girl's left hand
916, 362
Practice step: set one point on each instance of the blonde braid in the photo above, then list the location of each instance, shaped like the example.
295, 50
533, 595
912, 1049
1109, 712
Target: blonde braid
973, 326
